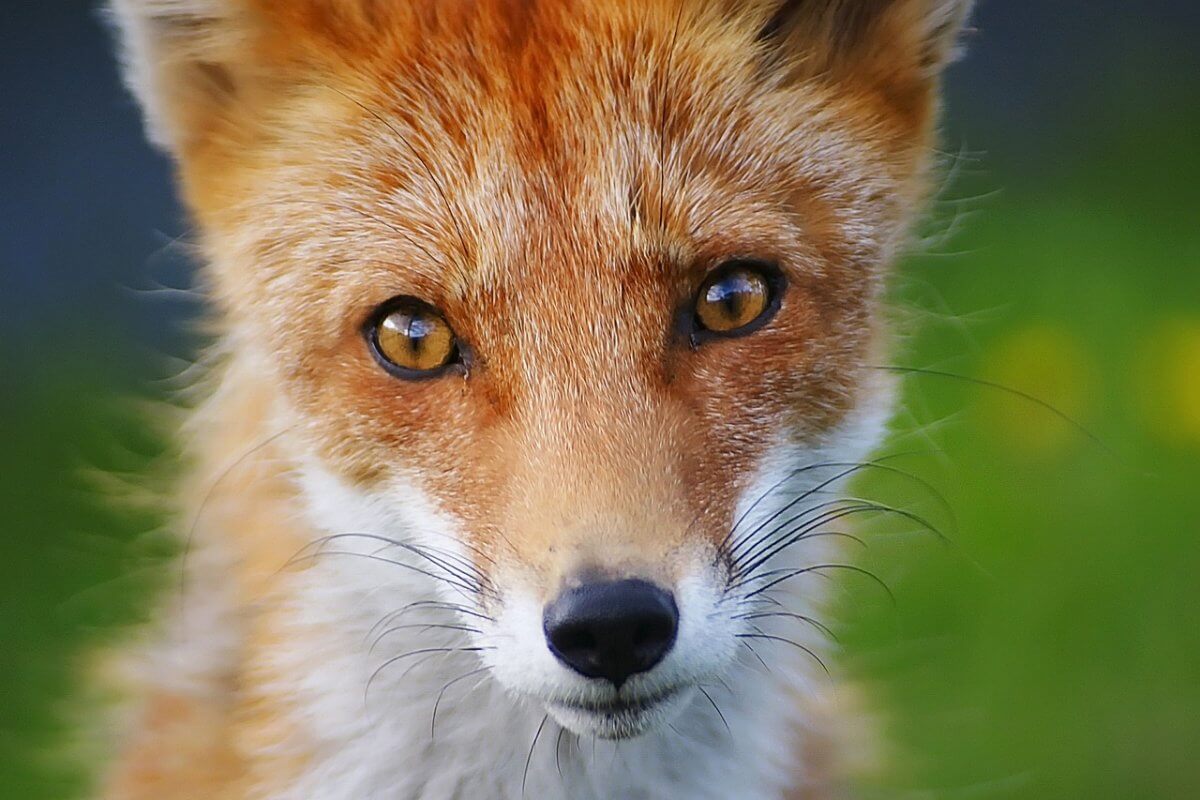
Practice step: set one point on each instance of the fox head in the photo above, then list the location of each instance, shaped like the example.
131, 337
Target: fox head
577, 300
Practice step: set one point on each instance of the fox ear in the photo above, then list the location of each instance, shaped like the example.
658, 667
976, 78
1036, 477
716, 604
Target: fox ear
180, 60
895, 39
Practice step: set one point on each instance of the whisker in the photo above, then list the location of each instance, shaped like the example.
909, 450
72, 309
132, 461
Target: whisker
437, 605
529, 758
850, 467
464, 588
822, 627
558, 751
424, 627
792, 504
772, 544
854, 506
457, 561
754, 652
458, 566
767, 493
422, 651
756, 551
983, 382
716, 708
465, 570
442, 693
474, 548
769, 637
816, 569
211, 493
475, 580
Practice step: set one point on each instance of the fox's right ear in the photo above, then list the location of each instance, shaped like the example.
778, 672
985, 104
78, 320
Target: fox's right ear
186, 61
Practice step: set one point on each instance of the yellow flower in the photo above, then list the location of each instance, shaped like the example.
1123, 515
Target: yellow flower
1166, 379
1047, 363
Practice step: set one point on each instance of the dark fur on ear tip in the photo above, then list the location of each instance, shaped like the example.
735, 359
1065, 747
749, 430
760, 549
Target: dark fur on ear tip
846, 19
836, 27
779, 20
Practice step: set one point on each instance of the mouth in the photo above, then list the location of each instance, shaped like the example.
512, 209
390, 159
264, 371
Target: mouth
620, 717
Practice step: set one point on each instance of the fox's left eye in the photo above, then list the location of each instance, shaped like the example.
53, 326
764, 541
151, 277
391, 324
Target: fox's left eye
411, 338
737, 298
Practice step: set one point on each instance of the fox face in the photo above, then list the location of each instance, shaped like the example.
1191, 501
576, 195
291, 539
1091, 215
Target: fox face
572, 304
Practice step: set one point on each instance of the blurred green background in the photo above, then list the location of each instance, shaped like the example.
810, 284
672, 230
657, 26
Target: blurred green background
1052, 650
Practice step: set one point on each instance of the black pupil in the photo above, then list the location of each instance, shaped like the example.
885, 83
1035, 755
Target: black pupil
731, 293
419, 329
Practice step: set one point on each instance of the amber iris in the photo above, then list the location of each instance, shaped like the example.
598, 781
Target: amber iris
733, 299
414, 337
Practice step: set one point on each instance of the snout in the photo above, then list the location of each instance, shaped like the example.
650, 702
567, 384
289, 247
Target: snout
611, 629
615, 651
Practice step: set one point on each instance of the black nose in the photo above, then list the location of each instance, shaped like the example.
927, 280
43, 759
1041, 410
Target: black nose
612, 629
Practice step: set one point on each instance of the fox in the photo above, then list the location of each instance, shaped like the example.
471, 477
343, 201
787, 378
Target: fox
543, 336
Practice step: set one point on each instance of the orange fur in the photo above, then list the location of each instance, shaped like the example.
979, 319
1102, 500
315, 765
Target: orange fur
556, 177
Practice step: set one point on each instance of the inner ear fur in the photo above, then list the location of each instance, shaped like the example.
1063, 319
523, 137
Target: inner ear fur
186, 61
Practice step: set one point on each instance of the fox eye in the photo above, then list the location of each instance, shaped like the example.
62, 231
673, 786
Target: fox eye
411, 338
737, 298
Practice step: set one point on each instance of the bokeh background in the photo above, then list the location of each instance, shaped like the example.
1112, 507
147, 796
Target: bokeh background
1050, 650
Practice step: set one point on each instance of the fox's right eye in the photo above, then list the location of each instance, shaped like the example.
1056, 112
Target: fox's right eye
411, 339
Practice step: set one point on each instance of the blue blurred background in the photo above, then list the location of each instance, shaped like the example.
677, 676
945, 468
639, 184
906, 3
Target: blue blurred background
1052, 650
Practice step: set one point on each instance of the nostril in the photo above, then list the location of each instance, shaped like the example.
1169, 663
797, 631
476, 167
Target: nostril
652, 635
651, 643
612, 629
572, 638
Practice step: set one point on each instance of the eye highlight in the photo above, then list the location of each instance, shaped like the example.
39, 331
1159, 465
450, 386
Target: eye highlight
411, 338
737, 298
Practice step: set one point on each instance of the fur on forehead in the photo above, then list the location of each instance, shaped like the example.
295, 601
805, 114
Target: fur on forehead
206, 68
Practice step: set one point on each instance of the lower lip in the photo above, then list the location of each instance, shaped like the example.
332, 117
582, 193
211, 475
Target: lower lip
629, 708
616, 721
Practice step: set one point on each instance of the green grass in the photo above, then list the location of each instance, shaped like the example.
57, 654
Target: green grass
73, 571
1051, 651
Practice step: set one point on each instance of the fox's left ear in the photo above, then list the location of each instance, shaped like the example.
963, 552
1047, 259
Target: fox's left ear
892, 41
